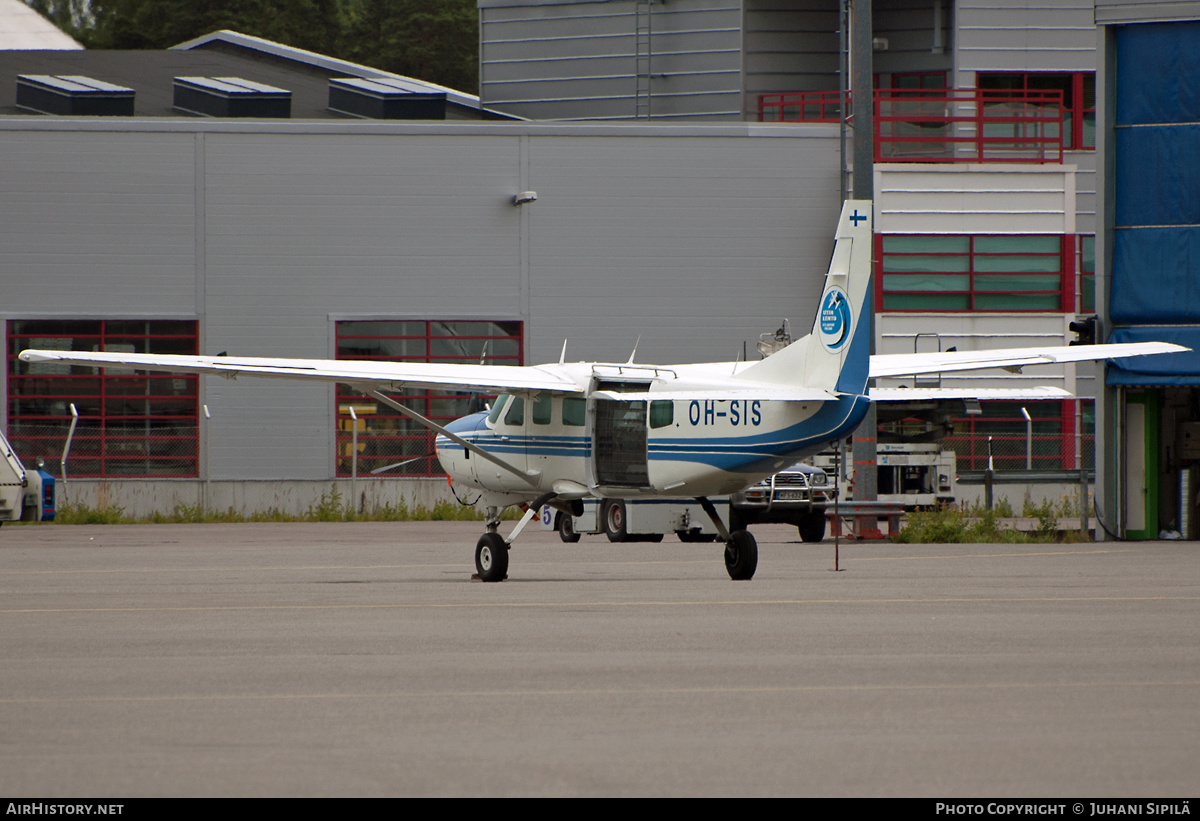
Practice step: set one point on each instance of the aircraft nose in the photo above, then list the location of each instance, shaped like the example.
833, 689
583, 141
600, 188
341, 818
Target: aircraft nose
464, 427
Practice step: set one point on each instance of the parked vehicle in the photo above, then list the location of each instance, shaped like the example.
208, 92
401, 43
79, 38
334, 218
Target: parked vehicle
640, 520
25, 495
919, 475
795, 496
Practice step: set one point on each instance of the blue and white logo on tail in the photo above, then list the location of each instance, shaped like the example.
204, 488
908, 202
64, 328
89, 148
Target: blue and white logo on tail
835, 321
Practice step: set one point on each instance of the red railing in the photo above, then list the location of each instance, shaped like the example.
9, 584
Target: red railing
944, 125
801, 107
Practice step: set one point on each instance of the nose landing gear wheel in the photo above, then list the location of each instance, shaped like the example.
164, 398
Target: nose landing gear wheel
491, 558
741, 555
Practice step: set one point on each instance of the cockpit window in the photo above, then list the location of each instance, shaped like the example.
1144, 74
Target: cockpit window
494, 416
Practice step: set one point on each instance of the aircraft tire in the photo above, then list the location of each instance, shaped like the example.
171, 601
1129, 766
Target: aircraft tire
812, 527
491, 558
566, 528
741, 555
615, 520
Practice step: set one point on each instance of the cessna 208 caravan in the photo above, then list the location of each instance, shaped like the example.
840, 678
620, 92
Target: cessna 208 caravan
563, 432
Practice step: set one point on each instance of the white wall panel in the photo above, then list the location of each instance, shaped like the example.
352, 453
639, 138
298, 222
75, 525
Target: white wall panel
969, 199
1025, 35
678, 242
1145, 11
579, 59
98, 224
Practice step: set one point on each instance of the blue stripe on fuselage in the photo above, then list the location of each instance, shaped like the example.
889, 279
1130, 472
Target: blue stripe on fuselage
732, 453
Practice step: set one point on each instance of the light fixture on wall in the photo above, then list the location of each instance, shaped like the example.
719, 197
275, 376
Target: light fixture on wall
524, 197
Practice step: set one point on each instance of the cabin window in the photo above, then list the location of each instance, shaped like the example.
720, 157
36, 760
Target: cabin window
131, 423
662, 413
574, 411
387, 437
543, 409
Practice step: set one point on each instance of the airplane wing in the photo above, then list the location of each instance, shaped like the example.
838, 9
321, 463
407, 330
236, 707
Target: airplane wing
394, 375
389, 375
1012, 359
921, 394
777, 393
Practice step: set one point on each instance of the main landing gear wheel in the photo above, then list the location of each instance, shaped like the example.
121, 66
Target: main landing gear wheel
566, 528
491, 558
741, 555
614, 520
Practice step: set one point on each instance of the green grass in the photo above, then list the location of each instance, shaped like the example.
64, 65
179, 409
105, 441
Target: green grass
330, 507
979, 525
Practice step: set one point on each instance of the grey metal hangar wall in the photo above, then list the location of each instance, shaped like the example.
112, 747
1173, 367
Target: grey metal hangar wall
695, 238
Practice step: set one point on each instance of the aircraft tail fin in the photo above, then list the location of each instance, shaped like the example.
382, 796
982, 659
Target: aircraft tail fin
835, 356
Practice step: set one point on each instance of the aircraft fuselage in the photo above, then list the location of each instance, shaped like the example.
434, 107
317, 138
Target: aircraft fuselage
617, 441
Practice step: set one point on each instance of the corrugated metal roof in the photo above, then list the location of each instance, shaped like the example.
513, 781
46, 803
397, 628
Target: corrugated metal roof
332, 65
152, 74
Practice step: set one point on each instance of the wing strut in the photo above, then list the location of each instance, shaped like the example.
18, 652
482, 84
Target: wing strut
453, 437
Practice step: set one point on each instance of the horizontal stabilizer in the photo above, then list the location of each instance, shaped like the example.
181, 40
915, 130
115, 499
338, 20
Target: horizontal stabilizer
910, 364
927, 394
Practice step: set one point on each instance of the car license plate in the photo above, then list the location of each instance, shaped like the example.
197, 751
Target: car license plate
790, 495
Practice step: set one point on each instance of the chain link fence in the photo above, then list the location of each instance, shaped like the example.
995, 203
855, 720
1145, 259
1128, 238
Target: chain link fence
1013, 450
158, 448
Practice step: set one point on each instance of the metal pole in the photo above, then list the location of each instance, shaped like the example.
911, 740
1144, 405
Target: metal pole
843, 95
207, 478
862, 90
1028, 439
353, 457
837, 521
62, 463
1084, 510
987, 478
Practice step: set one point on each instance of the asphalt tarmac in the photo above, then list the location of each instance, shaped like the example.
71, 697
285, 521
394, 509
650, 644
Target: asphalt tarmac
361, 659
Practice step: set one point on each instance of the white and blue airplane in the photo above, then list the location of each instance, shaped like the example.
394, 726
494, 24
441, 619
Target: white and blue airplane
564, 432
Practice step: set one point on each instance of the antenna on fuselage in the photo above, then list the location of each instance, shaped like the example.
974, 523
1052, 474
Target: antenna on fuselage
562, 357
635, 344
